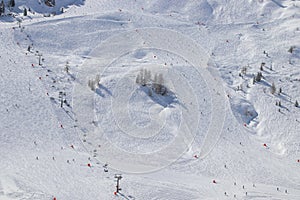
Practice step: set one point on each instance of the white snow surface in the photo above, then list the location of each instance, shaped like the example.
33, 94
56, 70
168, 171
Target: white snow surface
213, 124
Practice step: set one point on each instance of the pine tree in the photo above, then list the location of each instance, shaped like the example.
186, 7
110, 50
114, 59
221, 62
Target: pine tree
291, 49
2, 8
262, 66
25, 12
11, 3
50, 3
143, 78
244, 70
147, 76
160, 82
258, 77
273, 88
91, 84
155, 83
138, 79
253, 81
97, 80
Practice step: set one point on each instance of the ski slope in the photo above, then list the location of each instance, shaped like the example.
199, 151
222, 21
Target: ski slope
212, 125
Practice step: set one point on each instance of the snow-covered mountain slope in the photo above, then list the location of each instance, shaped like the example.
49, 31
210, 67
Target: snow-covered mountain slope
216, 134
